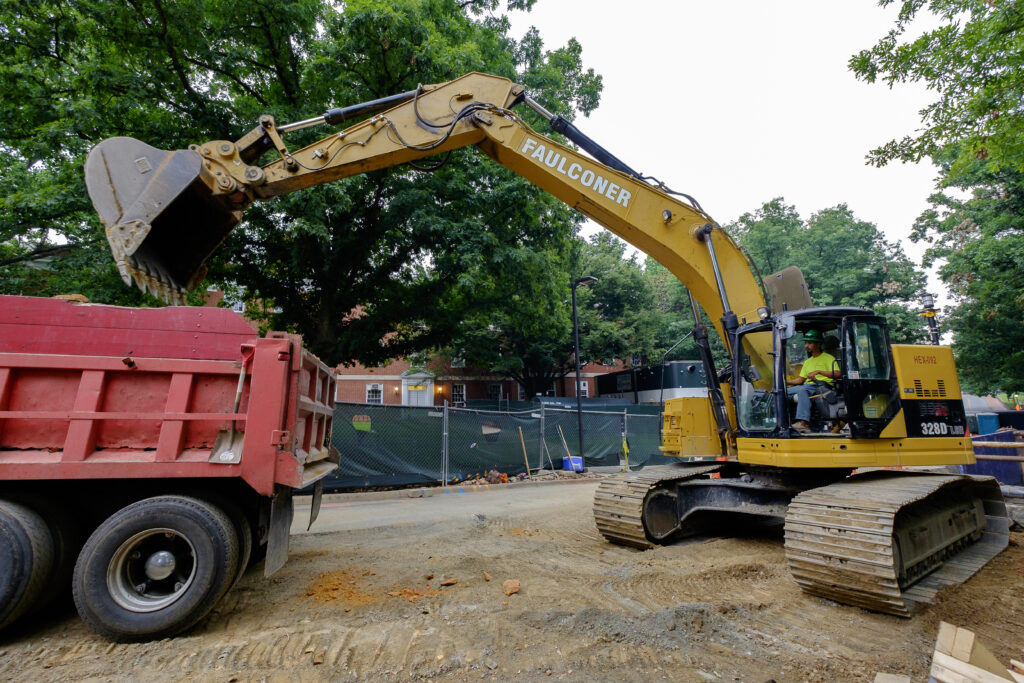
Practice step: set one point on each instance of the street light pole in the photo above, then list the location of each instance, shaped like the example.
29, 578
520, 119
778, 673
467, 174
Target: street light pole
587, 280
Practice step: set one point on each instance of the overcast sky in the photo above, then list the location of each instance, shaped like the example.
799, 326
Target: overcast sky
739, 102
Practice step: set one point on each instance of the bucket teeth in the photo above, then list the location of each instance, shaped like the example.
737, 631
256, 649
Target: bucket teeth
123, 269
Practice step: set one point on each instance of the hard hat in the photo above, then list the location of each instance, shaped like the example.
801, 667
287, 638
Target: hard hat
812, 336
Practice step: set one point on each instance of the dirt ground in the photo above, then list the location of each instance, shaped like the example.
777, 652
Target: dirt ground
364, 597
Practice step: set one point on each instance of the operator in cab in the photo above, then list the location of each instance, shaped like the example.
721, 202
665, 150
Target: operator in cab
818, 368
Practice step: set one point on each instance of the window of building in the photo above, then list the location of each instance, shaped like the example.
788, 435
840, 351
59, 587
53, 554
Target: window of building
494, 392
238, 307
458, 362
458, 395
375, 393
584, 388
522, 392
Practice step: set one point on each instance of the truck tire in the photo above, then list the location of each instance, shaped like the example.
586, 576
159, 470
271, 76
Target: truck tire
155, 568
26, 560
68, 534
243, 531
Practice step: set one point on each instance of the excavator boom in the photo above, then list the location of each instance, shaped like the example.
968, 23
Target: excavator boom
166, 212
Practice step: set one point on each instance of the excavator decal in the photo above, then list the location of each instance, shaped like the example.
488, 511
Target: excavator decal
585, 177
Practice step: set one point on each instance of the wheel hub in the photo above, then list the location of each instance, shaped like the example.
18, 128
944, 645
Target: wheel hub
151, 570
160, 565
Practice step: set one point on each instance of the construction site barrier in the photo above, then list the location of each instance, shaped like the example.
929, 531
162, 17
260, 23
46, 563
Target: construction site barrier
383, 445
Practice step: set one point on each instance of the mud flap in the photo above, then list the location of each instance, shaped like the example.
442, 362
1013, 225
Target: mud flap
314, 503
281, 512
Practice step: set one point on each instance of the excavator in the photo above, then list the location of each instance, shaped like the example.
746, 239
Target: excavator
865, 522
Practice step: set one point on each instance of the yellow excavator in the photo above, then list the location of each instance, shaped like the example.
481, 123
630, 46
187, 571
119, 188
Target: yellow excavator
881, 539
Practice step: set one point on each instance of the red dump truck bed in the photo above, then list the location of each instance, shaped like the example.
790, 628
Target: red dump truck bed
107, 407
90, 391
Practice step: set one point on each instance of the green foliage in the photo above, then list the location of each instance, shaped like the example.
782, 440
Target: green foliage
973, 61
974, 133
357, 266
846, 261
674, 320
979, 243
530, 337
617, 314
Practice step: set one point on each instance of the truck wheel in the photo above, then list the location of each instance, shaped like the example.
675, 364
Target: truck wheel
155, 568
68, 534
26, 560
243, 532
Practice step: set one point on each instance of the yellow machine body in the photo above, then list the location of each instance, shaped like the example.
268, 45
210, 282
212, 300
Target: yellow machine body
689, 430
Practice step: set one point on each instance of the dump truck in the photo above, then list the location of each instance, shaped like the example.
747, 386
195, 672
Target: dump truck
148, 457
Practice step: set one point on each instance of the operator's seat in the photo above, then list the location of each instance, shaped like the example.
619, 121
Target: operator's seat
830, 345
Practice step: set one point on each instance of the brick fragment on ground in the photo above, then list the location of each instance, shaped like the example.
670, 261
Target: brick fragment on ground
510, 586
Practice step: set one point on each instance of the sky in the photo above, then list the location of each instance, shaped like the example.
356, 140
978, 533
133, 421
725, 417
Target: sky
739, 102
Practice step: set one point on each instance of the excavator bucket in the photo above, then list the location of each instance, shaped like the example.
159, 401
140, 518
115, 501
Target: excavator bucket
162, 219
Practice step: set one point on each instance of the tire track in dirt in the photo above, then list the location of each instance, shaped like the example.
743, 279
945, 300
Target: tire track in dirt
700, 608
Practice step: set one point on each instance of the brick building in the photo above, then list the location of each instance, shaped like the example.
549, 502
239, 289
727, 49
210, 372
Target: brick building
435, 381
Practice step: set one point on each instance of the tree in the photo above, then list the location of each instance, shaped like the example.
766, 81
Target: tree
616, 314
530, 338
392, 246
979, 245
973, 61
770, 234
973, 132
674, 320
846, 261
523, 331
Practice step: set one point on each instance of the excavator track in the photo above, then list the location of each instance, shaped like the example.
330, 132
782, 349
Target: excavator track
619, 500
842, 540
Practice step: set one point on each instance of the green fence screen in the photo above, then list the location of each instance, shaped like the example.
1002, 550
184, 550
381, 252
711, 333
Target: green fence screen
398, 445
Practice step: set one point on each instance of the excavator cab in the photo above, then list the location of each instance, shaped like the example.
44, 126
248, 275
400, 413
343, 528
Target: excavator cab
861, 401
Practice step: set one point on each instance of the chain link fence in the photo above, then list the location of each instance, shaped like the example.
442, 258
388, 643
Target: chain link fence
384, 445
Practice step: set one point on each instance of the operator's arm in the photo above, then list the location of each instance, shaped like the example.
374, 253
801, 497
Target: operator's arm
831, 374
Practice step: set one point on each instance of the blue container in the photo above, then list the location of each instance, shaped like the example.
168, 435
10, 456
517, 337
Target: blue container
1008, 473
988, 423
574, 463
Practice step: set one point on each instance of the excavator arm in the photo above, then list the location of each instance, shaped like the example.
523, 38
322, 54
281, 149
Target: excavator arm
166, 212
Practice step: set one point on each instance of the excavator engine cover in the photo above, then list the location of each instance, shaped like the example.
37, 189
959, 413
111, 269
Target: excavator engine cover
162, 219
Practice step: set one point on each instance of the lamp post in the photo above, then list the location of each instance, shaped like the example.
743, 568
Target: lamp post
585, 281
929, 312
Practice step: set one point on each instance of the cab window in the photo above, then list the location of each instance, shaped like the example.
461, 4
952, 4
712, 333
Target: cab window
755, 401
866, 351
